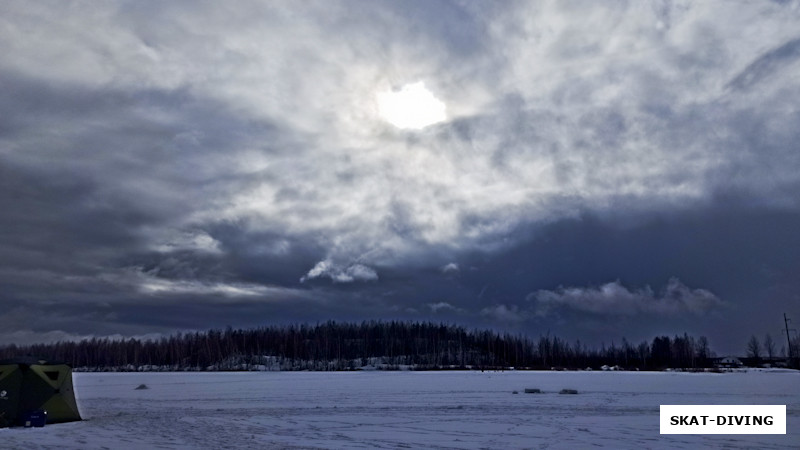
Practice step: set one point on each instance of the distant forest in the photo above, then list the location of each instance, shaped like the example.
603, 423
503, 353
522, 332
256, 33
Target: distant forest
374, 344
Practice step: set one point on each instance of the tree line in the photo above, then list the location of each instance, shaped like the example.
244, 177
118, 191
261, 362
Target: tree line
346, 346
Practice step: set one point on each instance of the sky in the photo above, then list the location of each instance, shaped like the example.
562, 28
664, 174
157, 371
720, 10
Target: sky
593, 170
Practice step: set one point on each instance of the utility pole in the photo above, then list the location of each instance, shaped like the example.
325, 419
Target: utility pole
788, 338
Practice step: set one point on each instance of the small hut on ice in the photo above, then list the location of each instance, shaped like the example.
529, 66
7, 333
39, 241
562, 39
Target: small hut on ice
29, 384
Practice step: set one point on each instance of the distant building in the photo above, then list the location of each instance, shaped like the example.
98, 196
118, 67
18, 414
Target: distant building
728, 361
779, 362
775, 361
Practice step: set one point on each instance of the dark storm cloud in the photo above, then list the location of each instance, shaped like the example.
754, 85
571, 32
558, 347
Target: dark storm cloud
739, 263
166, 166
774, 61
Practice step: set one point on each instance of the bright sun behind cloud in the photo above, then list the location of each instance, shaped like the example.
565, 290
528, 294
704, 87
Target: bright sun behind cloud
412, 107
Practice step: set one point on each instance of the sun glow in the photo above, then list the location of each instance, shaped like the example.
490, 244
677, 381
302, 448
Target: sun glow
412, 107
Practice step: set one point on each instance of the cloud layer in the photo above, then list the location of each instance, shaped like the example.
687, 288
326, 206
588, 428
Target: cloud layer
615, 299
204, 150
348, 274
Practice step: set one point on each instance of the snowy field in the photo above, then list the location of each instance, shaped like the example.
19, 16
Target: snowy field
404, 410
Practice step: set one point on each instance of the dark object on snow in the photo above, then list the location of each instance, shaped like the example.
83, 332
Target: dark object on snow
34, 418
515, 392
30, 384
568, 391
140, 387
533, 391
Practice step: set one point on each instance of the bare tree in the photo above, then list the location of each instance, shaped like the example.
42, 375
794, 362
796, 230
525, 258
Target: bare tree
753, 347
702, 349
769, 346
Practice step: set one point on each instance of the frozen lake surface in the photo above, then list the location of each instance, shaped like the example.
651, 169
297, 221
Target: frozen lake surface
404, 410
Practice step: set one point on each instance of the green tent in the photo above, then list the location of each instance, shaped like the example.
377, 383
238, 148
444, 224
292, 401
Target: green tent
29, 384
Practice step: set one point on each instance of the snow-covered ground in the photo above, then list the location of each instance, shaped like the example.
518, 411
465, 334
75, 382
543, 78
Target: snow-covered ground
404, 410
